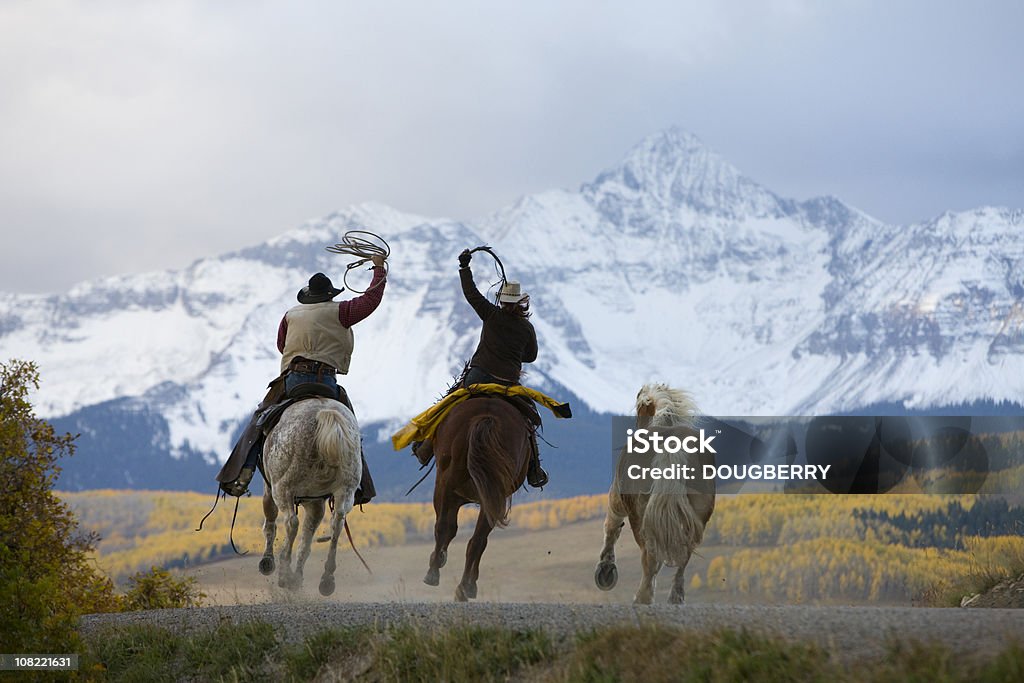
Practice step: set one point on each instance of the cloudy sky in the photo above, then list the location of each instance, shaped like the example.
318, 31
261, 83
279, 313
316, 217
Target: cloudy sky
144, 135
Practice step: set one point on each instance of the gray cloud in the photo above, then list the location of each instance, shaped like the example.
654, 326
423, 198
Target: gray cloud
145, 135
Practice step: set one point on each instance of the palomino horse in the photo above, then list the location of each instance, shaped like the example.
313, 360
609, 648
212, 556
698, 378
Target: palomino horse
482, 449
311, 454
668, 522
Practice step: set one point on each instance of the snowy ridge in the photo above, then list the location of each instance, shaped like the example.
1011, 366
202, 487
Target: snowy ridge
671, 266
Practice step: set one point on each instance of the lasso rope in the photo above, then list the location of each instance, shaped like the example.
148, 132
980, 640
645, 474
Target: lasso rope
361, 244
498, 267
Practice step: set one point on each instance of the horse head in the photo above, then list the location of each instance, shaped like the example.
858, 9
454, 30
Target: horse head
667, 405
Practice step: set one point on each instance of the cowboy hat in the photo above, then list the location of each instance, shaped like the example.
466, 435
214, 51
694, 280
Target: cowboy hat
511, 293
319, 290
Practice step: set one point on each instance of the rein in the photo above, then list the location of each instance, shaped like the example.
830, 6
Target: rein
231, 532
432, 463
354, 549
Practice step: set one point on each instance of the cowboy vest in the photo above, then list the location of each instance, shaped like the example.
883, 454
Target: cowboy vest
315, 333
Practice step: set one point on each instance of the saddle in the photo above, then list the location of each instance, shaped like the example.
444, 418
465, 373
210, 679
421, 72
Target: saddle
266, 418
524, 404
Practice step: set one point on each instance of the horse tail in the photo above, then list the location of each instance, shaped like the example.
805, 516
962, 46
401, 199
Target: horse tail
671, 526
491, 468
331, 438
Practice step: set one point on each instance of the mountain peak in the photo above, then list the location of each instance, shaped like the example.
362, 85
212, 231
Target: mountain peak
673, 138
676, 169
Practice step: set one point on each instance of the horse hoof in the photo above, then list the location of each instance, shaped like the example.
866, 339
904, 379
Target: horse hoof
327, 586
440, 559
469, 591
433, 577
460, 594
675, 599
606, 576
643, 600
267, 566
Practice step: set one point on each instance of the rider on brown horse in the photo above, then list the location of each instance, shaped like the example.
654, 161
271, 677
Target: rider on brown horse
507, 340
315, 340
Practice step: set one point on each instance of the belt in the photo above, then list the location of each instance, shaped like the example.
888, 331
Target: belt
313, 367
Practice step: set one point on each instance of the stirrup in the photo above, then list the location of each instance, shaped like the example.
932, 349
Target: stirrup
239, 487
424, 451
537, 478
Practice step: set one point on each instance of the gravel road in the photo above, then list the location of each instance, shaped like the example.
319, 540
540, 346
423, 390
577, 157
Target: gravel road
850, 633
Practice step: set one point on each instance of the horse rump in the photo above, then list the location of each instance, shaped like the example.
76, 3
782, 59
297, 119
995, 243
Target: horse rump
331, 438
491, 468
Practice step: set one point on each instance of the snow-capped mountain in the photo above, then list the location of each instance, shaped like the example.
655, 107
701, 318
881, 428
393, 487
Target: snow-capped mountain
671, 266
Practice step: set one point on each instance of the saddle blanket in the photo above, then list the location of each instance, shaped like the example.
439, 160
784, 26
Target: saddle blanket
422, 427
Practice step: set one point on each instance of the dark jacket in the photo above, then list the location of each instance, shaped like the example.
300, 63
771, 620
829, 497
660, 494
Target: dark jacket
506, 340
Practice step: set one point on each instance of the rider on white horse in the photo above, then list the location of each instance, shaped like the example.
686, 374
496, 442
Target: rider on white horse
315, 340
507, 340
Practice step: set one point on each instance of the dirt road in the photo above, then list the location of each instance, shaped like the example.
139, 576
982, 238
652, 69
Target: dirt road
545, 580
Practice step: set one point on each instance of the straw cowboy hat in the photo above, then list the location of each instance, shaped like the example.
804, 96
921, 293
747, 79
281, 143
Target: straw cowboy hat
511, 293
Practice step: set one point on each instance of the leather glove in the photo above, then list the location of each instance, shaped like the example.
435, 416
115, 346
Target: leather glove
464, 258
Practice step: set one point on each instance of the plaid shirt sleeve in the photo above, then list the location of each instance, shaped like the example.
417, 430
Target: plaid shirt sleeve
354, 310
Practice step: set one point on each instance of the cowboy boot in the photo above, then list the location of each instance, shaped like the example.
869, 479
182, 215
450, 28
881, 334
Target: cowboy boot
423, 450
535, 474
240, 486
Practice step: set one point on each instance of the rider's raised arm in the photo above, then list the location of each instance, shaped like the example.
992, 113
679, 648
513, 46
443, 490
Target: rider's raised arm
484, 308
354, 310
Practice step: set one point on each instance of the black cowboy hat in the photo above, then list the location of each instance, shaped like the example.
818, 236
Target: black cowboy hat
319, 290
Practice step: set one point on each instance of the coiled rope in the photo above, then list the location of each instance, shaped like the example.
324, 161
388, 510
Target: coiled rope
364, 245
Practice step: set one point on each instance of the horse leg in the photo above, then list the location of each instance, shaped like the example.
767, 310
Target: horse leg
313, 514
269, 531
607, 574
679, 583
651, 567
291, 528
474, 551
337, 524
445, 528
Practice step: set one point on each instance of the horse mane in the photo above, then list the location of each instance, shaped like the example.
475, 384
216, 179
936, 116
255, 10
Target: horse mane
671, 406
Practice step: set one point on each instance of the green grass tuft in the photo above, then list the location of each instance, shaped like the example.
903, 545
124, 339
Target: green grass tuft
662, 653
336, 648
461, 653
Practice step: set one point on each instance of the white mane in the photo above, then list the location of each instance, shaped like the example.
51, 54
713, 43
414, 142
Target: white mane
671, 406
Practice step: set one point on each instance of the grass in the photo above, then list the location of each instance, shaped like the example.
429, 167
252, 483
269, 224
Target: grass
145, 653
992, 561
253, 651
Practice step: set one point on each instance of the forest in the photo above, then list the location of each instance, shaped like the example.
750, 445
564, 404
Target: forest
768, 547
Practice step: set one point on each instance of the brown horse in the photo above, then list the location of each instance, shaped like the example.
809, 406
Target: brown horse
667, 522
482, 450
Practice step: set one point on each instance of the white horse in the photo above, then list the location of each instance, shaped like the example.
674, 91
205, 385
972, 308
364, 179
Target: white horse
311, 454
668, 522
